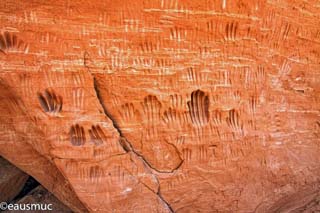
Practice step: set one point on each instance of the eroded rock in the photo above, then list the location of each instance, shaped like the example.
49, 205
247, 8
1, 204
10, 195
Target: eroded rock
42, 201
12, 180
164, 106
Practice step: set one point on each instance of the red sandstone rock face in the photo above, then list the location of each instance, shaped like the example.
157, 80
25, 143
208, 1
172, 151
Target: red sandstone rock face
164, 106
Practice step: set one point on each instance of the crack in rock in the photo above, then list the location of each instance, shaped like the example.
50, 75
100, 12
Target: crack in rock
127, 147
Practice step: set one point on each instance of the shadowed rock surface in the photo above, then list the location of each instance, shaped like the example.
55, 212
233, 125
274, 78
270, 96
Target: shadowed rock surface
41, 198
12, 180
17, 188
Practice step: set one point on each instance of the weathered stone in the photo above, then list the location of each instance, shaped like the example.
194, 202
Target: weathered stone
42, 199
12, 180
164, 105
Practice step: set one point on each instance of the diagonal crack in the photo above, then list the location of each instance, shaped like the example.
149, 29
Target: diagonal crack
166, 202
127, 147
158, 192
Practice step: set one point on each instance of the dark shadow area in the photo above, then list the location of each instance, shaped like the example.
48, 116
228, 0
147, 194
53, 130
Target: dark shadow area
28, 187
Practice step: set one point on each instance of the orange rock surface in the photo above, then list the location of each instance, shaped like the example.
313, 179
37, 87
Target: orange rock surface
164, 105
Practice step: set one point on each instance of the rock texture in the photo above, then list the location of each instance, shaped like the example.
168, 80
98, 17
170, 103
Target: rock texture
12, 180
164, 105
44, 199
21, 190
